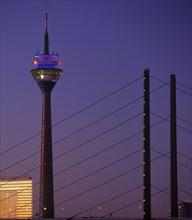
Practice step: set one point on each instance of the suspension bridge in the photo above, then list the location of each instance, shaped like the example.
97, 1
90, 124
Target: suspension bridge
99, 167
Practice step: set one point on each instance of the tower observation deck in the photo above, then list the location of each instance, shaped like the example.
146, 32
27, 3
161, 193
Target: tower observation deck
46, 72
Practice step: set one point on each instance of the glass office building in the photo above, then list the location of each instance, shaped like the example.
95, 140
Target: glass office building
16, 198
184, 209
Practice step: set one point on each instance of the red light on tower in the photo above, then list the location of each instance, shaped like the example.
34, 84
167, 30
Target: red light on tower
59, 62
35, 62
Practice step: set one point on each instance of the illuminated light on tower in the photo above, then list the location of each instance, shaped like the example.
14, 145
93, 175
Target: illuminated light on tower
46, 72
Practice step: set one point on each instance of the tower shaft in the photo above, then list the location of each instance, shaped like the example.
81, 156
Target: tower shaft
146, 150
46, 172
46, 73
173, 148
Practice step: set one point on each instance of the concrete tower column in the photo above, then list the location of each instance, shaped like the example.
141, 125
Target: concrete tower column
146, 150
173, 148
46, 73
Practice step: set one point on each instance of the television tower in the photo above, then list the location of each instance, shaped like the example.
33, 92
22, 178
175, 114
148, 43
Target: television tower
46, 72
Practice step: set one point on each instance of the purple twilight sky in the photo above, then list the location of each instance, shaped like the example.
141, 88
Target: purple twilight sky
103, 45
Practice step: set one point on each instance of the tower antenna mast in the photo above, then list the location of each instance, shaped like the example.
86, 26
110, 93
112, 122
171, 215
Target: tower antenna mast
46, 37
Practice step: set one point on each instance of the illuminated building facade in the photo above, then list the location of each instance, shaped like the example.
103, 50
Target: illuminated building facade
185, 209
46, 72
16, 198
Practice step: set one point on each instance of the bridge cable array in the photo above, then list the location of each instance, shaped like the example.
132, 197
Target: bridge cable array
102, 118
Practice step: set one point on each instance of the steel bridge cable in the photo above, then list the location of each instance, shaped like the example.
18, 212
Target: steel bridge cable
94, 103
170, 194
151, 126
89, 189
164, 155
115, 196
99, 185
186, 93
101, 134
39, 166
160, 191
187, 87
96, 171
76, 131
176, 88
98, 153
133, 169
169, 158
78, 146
185, 191
66, 137
120, 209
20, 143
117, 161
184, 121
186, 157
76, 113
107, 201
156, 187
108, 148
120, 195
81, 129
63, 139
98, 101
85, 143
82, 144
102, 118
20, 161
178, 152
157, 79
177, 124
133, 203
169, 122
159, 87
